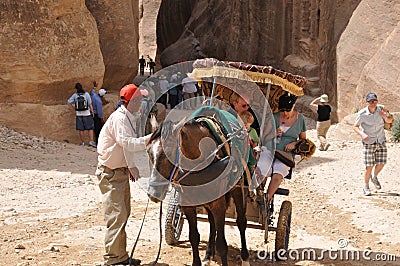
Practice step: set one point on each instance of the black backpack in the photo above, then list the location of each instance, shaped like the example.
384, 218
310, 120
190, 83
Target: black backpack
81, 102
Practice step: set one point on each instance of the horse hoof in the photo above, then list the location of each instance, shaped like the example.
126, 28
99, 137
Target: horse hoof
245, 263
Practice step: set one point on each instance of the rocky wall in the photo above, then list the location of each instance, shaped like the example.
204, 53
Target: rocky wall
368, 57
48, 46
298, 36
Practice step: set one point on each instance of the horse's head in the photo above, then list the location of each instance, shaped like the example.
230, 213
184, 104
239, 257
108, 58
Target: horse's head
161, 165
196, 143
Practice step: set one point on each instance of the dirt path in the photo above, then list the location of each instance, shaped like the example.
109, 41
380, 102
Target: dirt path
50, 209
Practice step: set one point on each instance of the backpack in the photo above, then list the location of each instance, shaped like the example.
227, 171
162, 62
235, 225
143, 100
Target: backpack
81, 102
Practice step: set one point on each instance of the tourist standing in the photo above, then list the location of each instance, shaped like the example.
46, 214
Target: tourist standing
163, 86
97, 110
142, 65
116, 148
189, 89
82, 104
151, 64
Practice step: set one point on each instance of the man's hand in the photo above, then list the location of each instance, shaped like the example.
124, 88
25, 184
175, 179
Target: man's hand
134, 174
365, 137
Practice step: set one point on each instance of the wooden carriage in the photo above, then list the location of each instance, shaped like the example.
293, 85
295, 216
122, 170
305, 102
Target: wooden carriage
262, 86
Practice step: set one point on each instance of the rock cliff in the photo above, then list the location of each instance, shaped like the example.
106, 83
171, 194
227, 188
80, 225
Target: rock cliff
299, 36
368, 57
48, 46
148, 11
118, 27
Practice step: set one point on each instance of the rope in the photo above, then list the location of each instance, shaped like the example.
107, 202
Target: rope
140, 230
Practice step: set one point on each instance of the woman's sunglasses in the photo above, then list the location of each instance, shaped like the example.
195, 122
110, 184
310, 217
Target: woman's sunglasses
285, 109
245, 105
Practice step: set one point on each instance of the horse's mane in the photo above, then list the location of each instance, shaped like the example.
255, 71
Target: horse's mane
193, 122
166, 126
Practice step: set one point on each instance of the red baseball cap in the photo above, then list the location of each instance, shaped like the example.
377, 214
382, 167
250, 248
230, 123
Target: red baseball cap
130, 91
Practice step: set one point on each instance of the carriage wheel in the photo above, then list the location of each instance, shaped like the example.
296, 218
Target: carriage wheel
283, 226
174, 220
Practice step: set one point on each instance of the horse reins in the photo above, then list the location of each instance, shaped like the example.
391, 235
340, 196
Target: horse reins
140, 230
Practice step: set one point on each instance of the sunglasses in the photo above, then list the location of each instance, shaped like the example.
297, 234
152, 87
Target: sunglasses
245, 105
373, 101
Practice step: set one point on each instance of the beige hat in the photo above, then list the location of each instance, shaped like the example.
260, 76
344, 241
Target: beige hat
324, 98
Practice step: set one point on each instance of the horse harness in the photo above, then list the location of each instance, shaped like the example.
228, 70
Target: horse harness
223, 139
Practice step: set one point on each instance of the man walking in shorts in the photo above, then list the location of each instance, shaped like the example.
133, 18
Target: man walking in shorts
371, 119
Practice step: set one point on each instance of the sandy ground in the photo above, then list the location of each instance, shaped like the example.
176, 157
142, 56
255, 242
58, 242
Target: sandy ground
50, 209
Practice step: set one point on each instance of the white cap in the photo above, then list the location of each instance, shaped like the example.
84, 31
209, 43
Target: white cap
102, 92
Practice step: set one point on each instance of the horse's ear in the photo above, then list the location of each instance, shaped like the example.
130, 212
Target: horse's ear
153, 123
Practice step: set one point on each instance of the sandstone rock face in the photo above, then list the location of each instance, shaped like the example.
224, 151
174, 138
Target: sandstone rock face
148, 11
117, 23
298, 36
368, 57
48, 46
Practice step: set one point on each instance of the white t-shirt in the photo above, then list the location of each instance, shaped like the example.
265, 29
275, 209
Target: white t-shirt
189, 85
164, 85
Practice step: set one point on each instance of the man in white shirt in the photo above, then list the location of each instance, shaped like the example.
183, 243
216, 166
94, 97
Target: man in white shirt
116, 147
371, 119
189, 89
163, 87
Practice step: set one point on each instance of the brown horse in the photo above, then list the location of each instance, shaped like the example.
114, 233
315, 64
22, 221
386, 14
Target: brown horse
188, 136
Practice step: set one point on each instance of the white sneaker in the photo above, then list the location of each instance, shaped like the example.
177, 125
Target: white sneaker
82, 144
367, 192
376, 183
93, 144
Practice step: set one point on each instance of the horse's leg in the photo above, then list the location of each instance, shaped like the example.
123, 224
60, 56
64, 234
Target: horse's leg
210, 253
239, 195
194, 236
218, 209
